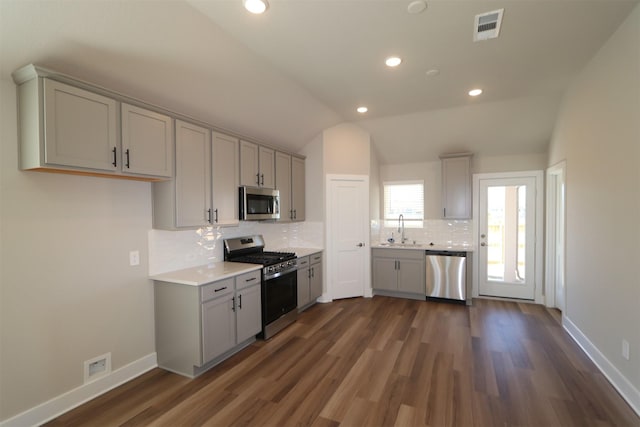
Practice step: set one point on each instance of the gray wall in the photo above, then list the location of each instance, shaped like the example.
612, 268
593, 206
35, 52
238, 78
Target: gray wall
598, 133
68, 293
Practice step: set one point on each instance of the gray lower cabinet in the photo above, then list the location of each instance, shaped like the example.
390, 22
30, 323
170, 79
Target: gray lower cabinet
198, 327
399, 272
309, 280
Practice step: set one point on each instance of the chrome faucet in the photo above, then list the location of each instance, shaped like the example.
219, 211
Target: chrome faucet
401, 228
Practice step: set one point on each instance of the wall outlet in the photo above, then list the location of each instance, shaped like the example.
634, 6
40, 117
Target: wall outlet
625, 349
134, 257
97, 367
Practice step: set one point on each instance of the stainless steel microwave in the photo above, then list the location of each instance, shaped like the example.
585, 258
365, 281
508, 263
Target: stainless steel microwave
259, 204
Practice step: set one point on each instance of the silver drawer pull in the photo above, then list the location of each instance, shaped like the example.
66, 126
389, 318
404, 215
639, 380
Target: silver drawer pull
221, 289
249, 280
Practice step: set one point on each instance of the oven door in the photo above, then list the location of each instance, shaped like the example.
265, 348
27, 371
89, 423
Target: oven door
279, 297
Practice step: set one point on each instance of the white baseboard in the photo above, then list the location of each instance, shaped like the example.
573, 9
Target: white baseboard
76, 397
619, 381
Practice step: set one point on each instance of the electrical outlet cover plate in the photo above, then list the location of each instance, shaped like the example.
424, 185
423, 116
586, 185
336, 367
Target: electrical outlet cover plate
97, 367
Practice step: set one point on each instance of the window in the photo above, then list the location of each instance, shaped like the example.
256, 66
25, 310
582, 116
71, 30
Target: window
406, 198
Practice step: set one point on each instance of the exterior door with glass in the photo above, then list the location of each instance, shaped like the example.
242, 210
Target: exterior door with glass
507, 237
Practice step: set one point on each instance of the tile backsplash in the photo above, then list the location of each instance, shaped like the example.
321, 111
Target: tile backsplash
439, 231
175, 250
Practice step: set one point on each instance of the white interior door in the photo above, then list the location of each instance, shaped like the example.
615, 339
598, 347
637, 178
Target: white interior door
348, 236
507, 237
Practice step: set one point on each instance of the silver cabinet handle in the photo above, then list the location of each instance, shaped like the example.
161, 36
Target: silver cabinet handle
295, 214
262, 183
209, 216
233, 304
360, 245
216, 212
257, 179
220, 289
240, 301
126, 153
251, 279
115, 157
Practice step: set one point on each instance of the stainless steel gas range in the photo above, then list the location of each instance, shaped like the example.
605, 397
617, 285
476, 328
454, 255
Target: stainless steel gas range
279, 280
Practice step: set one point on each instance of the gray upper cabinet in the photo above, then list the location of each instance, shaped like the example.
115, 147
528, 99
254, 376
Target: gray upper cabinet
290, 181
80, 128
73, 127
147, 142
205, 189
298, 188
257, 165
456, 186
193, 175
186, 201
225, 165
283, 185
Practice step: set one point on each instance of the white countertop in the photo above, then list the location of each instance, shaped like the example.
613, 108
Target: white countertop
203, 274
424, 247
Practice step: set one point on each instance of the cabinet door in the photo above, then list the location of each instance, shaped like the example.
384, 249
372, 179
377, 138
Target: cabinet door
385, 275
218, 327
298, 188
456, 187
303, 286
81, 128
249, 175
225, 170
249, 313
267, 167
193, 175
315, 286
411, 276
283, 185
147, 142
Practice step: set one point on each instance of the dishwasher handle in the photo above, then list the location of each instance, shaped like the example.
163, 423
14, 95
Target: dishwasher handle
445, 253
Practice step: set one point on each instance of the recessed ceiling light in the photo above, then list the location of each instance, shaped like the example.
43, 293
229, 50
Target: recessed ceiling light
433, 72
362, 110
393, 61
416, 6
255, 6
475, 92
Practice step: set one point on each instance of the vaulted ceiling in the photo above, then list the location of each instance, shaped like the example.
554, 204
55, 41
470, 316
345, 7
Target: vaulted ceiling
305, 65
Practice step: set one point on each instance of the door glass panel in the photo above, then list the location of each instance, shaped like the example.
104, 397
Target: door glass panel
506, 217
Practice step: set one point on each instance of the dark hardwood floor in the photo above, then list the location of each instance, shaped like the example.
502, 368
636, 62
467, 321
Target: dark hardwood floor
384, 362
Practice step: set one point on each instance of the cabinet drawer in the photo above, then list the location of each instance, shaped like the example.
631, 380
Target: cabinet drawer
248, 279
398, 253
316, 258
303, 262
217, 289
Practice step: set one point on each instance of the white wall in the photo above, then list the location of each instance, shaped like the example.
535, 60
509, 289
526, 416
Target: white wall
68, 292
346, 150
598, 133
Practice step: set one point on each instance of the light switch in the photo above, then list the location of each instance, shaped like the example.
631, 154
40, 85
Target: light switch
134, 258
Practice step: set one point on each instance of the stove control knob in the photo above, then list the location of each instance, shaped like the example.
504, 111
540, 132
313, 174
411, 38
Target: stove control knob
283, 266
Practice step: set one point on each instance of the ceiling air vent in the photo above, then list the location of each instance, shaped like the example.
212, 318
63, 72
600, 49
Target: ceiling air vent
487, 25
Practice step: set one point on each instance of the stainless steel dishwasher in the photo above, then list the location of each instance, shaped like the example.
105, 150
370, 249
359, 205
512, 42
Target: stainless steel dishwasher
446, 275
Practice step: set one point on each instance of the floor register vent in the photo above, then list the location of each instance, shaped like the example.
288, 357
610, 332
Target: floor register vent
487, 25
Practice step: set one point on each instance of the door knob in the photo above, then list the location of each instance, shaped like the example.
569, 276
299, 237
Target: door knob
483, 244
483, 236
